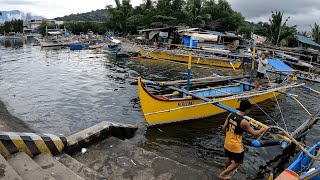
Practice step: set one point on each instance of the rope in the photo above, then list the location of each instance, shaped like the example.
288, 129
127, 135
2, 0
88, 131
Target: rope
267, 114
296, 143
285, 126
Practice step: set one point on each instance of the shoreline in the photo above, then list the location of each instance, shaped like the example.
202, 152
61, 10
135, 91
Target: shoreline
9, 122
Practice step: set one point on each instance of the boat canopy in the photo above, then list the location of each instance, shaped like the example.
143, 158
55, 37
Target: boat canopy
202, 37
278, 65
306, 40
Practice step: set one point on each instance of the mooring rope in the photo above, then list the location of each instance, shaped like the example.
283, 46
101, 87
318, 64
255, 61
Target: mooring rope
285, 126
266, 114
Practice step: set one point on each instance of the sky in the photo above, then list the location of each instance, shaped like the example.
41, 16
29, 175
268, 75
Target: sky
302, 12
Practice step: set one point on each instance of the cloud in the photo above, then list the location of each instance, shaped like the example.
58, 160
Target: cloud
17, 2
302, 13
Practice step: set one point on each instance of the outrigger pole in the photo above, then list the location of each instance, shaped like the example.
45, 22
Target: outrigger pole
253, 58
218, 104
286, 137
189, 63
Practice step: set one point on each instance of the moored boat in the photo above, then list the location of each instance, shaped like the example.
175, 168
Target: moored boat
304, 167
196, 59
79, 46
177, 107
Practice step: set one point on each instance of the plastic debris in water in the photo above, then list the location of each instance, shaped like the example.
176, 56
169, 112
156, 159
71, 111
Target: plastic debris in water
83, 150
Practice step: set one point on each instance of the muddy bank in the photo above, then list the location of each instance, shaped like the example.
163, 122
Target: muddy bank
8, 122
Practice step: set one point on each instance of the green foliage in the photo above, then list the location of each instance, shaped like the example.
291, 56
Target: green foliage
12, 26
124, 18
277, 30
44, 24
315, 32
97, 15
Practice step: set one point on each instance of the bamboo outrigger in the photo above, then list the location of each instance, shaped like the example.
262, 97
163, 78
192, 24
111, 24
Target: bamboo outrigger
196, 59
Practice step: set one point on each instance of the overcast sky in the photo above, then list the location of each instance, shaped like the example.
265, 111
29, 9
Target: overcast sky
302, 12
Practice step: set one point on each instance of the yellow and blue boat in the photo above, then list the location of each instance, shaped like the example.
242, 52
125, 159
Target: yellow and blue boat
178, 106
196, 59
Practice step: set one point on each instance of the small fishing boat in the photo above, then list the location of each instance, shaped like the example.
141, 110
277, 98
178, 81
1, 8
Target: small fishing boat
181, 105
304, 167
79, 46
182, 56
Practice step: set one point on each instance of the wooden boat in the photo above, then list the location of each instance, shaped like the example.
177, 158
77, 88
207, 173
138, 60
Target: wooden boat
183, 57
177, 107
304, 167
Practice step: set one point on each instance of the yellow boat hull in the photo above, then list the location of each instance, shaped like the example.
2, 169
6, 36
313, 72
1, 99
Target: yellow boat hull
195, 59
151, 104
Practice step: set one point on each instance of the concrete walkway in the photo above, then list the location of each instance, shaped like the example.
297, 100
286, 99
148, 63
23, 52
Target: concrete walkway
117, 159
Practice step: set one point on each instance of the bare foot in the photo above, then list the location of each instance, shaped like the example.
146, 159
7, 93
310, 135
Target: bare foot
225, 177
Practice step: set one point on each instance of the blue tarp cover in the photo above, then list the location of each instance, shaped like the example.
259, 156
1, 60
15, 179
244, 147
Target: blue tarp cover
279, 65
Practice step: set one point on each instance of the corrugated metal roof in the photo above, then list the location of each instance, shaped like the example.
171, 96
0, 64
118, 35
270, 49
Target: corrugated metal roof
306, 40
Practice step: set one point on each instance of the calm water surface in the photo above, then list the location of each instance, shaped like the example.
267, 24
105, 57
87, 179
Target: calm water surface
62, 92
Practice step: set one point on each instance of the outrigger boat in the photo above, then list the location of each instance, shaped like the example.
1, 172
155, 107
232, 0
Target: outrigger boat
304, 167
182, 56
181, 105
187, 104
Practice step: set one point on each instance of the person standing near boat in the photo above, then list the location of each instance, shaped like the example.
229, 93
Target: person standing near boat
262, 69
234, 127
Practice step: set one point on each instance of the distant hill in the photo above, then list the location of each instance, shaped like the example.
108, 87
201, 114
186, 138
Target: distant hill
16, 14
97, 15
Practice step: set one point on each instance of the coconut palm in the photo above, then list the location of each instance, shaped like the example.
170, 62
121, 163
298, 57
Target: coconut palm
277, 30
315, 32
194, 9
304, 33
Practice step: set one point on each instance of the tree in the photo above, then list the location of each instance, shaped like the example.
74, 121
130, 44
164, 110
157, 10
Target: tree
223, 18
197, 16
304, 33
277, 30
117, 16
44, 25
13, 26
315, 32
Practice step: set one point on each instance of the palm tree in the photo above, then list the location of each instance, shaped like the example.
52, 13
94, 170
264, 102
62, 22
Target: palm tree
304, 33
194, 9
277, 30
315, 32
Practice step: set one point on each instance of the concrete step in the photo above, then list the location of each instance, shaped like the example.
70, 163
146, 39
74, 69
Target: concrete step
57, 170
79, 168
27, 168
6, 171
119, 160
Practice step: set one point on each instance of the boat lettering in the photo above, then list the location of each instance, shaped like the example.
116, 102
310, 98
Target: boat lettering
189, 103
